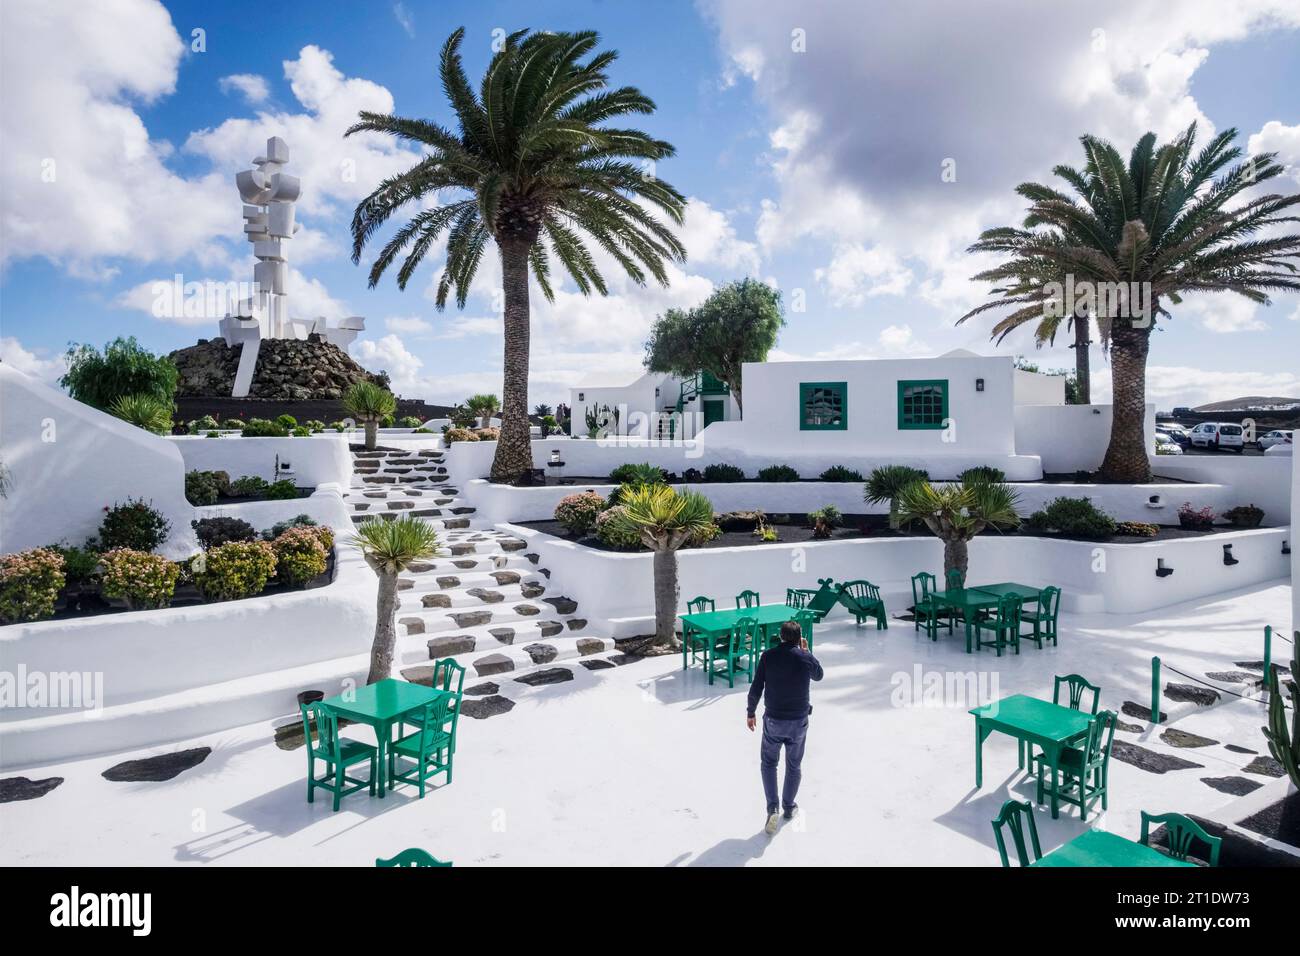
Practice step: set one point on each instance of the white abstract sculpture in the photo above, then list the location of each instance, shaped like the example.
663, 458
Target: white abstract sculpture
269, 195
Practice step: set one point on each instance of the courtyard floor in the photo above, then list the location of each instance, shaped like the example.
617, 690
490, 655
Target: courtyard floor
645, 764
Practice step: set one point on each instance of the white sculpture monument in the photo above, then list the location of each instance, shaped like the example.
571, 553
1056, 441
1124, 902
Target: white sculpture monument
269, 195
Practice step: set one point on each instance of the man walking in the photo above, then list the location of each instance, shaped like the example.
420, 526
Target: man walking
782, 680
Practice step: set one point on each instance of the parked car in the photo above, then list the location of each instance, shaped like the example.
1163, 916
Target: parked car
1217, 435
1277, 436
1166, 445
1182, 411
1175, 431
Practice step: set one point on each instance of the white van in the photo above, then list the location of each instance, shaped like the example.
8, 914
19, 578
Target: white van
1218, 435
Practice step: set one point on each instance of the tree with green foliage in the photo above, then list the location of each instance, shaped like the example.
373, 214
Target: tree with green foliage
390, 548
368, 404
886, 483
483, 406
738, 323
539, 174
144, 411
123, 368
955, 513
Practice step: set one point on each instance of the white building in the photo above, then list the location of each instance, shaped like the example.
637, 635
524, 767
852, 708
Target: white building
656, 405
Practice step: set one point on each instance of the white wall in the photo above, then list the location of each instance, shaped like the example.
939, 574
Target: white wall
1264, 481
316, 459
68, 461
1035, 388
1070, 438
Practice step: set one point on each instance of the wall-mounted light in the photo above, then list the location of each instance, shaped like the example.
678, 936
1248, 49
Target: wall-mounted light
1154, 502
979, 384
1096, 411
1286, 546
1161, 570
1228, 559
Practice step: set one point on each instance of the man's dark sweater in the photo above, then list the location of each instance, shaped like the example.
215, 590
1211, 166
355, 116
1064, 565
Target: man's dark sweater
782, 680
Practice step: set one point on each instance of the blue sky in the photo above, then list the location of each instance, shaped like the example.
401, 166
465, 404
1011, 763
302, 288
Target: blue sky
810, 140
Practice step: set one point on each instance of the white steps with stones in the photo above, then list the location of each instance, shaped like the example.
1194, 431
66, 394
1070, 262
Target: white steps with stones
488, 636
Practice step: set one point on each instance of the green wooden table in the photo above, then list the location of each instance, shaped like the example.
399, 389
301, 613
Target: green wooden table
1031, 721
1099, 848
717, 624
380, 705
970, 601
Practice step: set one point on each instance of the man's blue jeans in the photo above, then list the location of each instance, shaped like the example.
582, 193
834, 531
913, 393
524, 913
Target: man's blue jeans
792, 735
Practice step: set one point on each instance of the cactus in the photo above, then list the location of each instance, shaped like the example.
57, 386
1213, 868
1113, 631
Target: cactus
1284, 745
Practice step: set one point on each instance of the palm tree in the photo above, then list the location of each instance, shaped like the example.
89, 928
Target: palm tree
955, 513
368, 403
666, 519
541, 410
390, 548
885, 483
484, 406
537, 170
144, 411
1169, 223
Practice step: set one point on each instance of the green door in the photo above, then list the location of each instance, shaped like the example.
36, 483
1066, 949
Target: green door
713, 411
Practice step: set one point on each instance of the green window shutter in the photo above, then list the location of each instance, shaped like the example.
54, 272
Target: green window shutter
922, 403
823, 406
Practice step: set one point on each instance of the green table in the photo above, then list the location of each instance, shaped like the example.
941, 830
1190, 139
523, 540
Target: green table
380, 705
716, 624
1099, 848
1031, 721
970, 601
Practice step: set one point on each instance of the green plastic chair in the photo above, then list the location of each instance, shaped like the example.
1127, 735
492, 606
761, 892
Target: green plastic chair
692, 640
747, 599
337, 752
1084, 771
1043, 617
1179, 833
1076, 686
431, 748
863, 601
824, 599
798, 597
448, 676
1003, 626
412, 857
924, 609
1013, 816
734, 652
806, 618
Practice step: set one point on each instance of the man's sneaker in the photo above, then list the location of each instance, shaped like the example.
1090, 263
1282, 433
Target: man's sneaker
773, 821
789, 814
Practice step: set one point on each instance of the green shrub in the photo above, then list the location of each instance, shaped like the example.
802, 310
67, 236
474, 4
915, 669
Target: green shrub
302, 431
237, 569
286, 421
459, 434
143, 580
778, 473
280, 527
214, 532
233, 424
615, 531
1244, 516
79, 564
578, 512
144, 411
422, 431
30, 582
840, 473
705, 534
261, 428
409, 421
1136, 529
135, 525
314, 425
249, 486
825, 520
985, 473
488, 434
642, 474
386, 421
212, 435
123, 368
281, 490
299, 556
205, 487
339, 426
1077, 517
205, 424
723, 472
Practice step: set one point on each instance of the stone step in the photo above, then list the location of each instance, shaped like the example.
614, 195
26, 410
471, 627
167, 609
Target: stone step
489, 576
483, 655
470, 563
433, 515
470, 597
440, 620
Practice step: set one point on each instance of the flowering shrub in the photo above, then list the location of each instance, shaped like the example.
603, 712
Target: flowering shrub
300, 556
133, 525
578, 512
1137, 529
615, 531
142, 579
487, 434
237, 569
1198, 518
280, 527
459, 434
29, 584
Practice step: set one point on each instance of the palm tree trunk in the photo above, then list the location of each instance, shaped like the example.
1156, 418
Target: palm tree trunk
1126, 456
514, 456
1082, 365
893, 514
955, 555
666, 594
372, 434
381, 651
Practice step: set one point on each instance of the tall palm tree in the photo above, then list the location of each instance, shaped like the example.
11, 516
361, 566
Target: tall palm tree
390, 548
955, 513
1168, 223
540, 175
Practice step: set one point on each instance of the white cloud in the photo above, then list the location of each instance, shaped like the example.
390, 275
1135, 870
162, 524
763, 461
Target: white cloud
404, 18
1170, 385
252, 87
388, 354
1221, 313
710, 239
36, 364
1274, 137
858, 272
408, 325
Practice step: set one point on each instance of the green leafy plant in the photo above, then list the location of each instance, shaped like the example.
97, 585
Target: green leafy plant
141, 579
234, 570
1284, 744
632, 474
300, 556
281, 490
80, 565
983, 473
615, 531
955, 513
144, 411
205, 424
369, 404
286, 421
300, 431
234, 424
887, 482
578, 512
30, 582
410, 421
248, 486
390, 547
205, 487
778, 473
314, 425
280, 527
1076, 517
723, 472
214, 532
124, 368
452, 435
840, 473
766, 533
825, 520
261, 428
134, 524
1244, 516
339, 426
1136, 529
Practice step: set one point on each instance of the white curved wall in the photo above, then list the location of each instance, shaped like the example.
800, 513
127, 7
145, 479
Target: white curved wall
316, 459
67, 462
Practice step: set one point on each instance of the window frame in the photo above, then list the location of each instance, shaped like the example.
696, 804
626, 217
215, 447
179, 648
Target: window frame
805, 392
904, 384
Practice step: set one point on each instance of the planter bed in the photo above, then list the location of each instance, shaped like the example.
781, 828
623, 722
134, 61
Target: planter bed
231, 500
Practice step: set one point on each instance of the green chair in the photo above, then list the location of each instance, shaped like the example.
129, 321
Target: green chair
863, 601
806, 618
1084, 771
1004, 626
798, 597
1074, 700
734, 652
1179, 833
747, 599
412, 857
1043, 617
924, 609
824, 599
448, 676
430, 748
692, 640
1013, 816
337, 752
